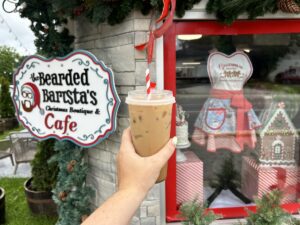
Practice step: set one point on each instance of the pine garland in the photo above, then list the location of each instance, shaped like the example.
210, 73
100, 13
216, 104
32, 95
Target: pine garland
71, 194
228, 11
196, 214
269, 211
52, 38
116, 11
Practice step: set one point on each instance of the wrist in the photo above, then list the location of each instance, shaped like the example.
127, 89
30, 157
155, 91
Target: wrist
134, 191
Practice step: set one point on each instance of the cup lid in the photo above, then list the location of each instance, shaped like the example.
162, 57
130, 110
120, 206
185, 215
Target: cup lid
157, 97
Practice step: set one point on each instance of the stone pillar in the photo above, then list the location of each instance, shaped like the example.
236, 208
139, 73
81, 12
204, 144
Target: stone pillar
115, 46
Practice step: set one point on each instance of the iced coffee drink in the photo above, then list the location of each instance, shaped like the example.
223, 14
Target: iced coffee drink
150, 121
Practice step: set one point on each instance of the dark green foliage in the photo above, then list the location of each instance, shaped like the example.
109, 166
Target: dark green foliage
227, 177
9, 60
44, 174
71, 182
115, 12
119, 12
269, 212
101, 17
6, 104
182, 6
224, 43
196, 214
46, 16
228, 10
45, 22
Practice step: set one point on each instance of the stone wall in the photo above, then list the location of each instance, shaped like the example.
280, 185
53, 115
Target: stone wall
115, 46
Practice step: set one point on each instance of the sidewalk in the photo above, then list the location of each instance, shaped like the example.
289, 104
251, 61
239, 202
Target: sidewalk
6, 169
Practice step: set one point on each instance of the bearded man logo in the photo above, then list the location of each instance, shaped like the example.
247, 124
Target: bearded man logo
31, 97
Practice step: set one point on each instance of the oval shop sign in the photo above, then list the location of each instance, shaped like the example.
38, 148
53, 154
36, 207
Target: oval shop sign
70, 98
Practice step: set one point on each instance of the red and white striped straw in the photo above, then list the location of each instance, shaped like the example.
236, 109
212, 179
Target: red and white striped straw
148, 82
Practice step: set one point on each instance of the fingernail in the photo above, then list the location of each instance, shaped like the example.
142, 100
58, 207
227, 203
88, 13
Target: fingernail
174, 141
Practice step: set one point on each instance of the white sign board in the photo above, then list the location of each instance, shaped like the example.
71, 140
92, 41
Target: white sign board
72, 98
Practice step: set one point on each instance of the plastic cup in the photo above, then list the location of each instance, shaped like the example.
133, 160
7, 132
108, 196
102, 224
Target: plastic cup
150, 122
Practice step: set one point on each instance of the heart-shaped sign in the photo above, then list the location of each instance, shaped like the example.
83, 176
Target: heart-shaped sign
229, 72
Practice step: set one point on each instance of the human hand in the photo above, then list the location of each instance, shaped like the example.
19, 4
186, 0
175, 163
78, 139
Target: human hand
140, 173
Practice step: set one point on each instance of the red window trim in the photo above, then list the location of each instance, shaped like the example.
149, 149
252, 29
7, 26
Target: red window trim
212, 28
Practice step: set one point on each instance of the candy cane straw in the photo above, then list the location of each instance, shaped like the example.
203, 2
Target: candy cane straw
148, 82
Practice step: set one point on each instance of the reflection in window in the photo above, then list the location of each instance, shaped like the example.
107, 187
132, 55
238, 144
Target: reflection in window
219, 170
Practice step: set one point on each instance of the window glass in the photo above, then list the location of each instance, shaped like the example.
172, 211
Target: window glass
238, 100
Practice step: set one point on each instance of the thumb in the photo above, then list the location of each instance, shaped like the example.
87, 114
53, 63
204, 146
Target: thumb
126, 143
162, 156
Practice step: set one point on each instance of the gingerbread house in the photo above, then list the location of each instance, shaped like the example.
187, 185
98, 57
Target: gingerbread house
277, 137
276, 165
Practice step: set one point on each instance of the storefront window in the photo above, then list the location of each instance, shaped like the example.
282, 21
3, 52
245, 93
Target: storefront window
238, 117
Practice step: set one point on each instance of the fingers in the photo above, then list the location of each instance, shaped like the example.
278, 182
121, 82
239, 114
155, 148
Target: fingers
126, 143
165, 153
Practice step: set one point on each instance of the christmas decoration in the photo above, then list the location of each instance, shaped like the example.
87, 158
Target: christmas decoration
189, 182
71, 194
62, 196
115, 11
154, 34
228, 11
277, 137
50, 41
194, 213
258, 179
71, 165
274, 164
182, 132
269, 212
54, 14
226, 179
227, 119
181, 115
289, 6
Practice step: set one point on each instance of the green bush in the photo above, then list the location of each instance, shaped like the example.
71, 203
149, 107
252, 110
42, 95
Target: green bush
6, 104
196, 214
269, 212
44, 174
17, 212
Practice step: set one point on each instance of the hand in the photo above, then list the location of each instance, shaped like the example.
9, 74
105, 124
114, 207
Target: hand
136, 175
140, 173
